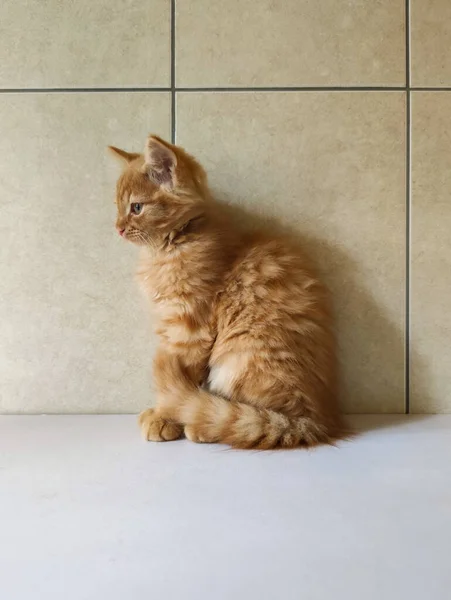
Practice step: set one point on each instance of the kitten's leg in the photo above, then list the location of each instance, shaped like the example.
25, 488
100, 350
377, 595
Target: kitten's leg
157, 429
159, 424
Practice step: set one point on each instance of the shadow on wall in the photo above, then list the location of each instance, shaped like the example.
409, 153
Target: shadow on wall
372, 373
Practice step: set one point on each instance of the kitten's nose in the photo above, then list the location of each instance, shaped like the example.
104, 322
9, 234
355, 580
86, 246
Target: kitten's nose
120, 230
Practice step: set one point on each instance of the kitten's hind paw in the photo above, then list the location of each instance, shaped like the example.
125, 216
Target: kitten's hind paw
156, 429
193, 435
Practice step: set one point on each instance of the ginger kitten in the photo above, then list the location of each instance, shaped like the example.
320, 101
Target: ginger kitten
246, 354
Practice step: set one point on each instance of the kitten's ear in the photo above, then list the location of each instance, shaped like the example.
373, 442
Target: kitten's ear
160, 162
124, 156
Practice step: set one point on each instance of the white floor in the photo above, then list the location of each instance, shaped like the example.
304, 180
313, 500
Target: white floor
89, 511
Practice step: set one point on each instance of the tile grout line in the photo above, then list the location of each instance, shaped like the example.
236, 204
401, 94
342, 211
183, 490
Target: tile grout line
429, 89
408, 215
173, 107
174, 89
81, 90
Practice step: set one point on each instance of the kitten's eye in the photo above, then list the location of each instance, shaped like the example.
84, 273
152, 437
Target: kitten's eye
136, 208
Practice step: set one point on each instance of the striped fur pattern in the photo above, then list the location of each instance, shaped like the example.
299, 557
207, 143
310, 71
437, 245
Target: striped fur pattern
247, 353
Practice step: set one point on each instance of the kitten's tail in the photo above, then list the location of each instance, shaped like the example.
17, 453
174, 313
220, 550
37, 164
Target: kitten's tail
210, 418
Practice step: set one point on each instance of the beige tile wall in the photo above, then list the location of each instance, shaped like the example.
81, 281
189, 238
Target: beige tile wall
72, 326
431, 255
303, 112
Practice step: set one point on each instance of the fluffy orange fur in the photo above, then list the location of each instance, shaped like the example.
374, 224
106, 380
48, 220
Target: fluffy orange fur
247, 353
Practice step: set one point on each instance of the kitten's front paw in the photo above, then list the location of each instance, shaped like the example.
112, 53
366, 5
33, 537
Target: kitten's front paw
156, 429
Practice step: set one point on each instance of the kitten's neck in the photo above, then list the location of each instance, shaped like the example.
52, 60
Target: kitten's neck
192, 262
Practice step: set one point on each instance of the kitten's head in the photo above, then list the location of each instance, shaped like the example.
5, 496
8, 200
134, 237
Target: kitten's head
158, 193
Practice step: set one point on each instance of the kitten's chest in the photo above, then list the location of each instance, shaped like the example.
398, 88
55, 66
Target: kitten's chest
178, 320
167, 287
